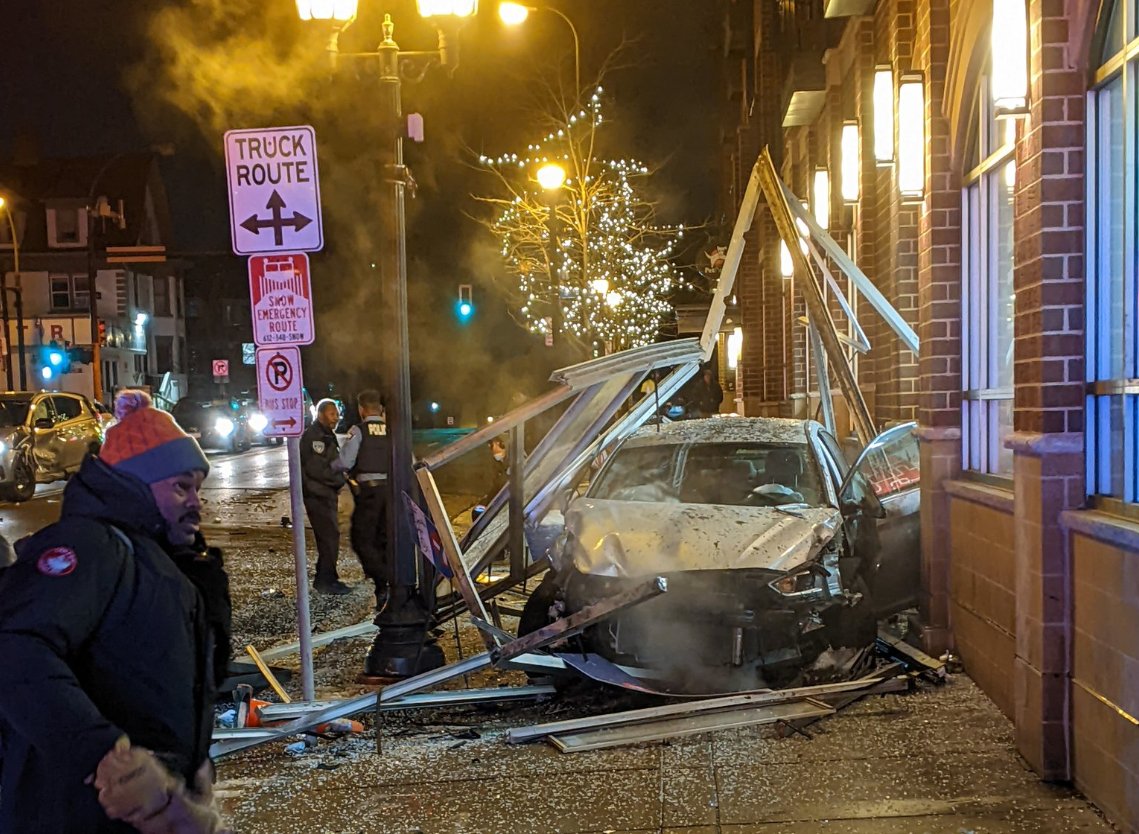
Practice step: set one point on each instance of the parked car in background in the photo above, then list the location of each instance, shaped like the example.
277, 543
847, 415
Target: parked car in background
216, 424
44, 437
257, 423
780, 556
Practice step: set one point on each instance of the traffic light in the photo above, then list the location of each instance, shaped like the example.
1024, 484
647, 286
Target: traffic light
55, 359
465, 307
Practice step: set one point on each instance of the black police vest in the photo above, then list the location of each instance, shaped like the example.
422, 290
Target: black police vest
375, 455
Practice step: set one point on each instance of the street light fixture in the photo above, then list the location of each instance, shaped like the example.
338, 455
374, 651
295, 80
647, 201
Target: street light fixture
551, 176
403, 646
338, 10
515, 14
447, 8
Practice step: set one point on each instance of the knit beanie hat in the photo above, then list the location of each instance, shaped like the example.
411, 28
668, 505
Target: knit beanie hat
147, 443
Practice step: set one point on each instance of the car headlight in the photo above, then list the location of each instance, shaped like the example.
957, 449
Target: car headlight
258, 422
3, 447
223, 426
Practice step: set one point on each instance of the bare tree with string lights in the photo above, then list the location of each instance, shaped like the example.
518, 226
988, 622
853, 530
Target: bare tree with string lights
584, 258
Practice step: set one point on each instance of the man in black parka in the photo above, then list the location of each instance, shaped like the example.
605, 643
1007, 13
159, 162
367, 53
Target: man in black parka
321, 482
114, 630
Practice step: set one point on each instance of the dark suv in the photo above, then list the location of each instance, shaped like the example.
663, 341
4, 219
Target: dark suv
215, 424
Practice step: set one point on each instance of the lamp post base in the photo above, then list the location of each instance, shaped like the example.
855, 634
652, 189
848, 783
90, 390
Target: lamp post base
404, 646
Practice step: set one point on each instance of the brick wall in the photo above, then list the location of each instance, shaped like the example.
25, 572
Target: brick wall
1049, 223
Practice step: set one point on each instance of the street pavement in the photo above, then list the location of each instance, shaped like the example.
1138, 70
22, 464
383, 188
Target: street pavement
239, 482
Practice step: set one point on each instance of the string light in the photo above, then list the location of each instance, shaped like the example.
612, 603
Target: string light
622, 248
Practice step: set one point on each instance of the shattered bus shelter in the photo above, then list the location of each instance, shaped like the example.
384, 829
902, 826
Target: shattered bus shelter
524, 518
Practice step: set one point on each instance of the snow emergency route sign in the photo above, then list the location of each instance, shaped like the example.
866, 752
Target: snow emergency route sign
280, 292
280, 391
274, 190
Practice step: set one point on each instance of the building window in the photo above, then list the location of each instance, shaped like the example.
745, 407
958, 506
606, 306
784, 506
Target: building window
69, 293
67, 226
163, 354
987, 299
1112, 366
161, 296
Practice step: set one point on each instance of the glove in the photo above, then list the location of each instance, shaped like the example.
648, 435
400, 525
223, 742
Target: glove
132, 783
184, 814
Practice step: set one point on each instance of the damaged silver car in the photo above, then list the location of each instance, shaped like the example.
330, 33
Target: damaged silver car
780, 556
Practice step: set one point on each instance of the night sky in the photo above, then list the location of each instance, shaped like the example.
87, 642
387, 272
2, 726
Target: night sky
101, 76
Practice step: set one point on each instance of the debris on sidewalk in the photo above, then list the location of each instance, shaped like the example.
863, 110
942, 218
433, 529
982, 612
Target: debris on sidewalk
913, 658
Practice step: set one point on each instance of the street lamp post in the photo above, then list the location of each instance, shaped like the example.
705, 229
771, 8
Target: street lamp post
552, 177
514, 14
402, 646
19, 296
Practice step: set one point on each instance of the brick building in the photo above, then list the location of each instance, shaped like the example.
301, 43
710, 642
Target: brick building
990, 193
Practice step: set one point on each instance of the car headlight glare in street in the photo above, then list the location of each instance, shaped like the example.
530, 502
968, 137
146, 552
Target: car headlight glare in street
3, 447
258, 422
223, 426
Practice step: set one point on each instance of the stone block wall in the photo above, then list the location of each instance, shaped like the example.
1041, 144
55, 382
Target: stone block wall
983, 587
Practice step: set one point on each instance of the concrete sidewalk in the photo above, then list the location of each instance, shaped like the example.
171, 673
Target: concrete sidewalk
939, 760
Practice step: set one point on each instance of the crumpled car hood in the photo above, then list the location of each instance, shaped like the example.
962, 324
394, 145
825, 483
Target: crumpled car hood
642, 538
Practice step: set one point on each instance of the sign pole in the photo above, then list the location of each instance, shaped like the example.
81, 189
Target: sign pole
304, 625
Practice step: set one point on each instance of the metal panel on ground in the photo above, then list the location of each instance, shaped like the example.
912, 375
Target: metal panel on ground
688, 726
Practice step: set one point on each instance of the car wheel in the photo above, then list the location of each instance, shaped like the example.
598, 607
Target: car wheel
23, 484
536, 612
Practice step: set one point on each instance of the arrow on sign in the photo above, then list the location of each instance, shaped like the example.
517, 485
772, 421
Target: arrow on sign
292, 421
277, 222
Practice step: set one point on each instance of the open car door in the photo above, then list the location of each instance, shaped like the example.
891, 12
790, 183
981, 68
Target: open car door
888, 473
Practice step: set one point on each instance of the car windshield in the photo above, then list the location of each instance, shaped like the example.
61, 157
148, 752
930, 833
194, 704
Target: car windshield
736, 474
13, 412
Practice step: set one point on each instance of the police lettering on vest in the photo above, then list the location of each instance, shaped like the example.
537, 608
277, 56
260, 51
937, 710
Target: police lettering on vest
375, 453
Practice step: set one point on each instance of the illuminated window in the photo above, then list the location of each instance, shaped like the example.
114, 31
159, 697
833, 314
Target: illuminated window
1112, 366
987, 301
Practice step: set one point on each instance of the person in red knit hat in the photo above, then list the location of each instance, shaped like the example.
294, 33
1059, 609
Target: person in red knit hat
114, 630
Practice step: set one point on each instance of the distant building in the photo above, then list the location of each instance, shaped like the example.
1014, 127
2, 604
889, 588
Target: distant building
220, 326
139, 294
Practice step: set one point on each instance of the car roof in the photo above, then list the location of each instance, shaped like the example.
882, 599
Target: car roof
723, 430
27, 395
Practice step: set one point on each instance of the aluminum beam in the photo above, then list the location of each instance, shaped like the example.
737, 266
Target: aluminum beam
689, 726
731, 264
421, 700
781, 210
865, 286
459, 575
521, 735
366, 629
579, 621
822, 378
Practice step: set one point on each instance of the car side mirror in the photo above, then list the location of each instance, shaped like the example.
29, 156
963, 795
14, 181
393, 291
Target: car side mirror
44, 423
868, 504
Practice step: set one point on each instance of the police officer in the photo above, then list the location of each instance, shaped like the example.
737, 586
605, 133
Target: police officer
366, 456
320, 485
114, 632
